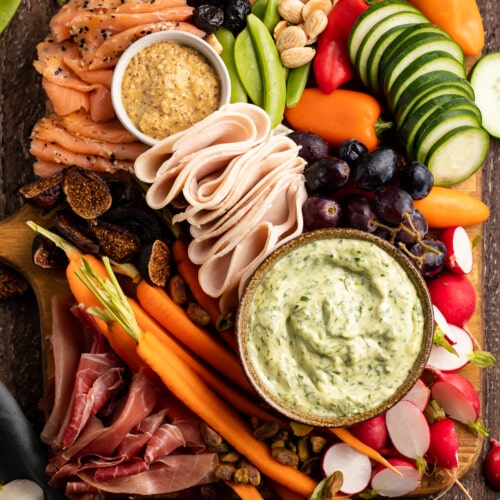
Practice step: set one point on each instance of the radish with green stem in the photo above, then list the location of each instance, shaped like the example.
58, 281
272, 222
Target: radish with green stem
355, 467
458, 398
459, 258
409, 432
372, 432
464, 353
443, 448
385, 483
419, 394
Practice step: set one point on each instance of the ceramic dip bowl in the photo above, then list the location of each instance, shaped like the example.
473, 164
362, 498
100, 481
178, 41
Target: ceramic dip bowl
334, 327
167, 81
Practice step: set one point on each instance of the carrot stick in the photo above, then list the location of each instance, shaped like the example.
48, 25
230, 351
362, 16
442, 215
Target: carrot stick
344, 435
164, 310
188, 387
226, 391
183, 382
245, 491
189, 272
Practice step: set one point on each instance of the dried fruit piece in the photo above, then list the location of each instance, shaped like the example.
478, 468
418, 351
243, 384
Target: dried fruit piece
70, 226
46, 255
11, 283
87, 194
43, 193
117, 243
154, 262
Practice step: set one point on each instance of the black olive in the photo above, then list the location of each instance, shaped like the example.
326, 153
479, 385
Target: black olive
208, 18
235, 15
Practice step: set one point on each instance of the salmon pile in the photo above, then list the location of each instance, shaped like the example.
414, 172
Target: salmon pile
76, 61
244, 188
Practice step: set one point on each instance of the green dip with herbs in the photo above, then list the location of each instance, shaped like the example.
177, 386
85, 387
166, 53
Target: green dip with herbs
335, 327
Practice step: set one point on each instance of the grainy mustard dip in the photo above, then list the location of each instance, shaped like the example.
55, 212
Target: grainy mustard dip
167, 87
334, 327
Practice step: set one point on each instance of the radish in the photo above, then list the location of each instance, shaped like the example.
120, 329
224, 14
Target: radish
442, 334
491, 466
372, 432
21, 489
443, 449
409, 432
356, 467
458, 250
458, 398
454, 295
385, 483
419, 395
463, 353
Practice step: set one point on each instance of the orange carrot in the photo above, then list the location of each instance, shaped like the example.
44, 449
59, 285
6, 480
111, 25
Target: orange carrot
171, 316
183, 382
445, 207
226, 391
245, 491
189, 272
344, 435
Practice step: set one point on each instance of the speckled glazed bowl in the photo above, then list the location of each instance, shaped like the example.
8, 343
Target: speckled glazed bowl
182, 38
334, 327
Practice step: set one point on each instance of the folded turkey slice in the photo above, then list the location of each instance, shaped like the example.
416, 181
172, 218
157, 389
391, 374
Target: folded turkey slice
207, 147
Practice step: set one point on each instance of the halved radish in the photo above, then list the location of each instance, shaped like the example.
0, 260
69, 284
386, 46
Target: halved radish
409, 431
458, 398
372, 432
454, 295
419, 394
387, 484
463, 347
441, 327
459, 257
355, 467
443, 449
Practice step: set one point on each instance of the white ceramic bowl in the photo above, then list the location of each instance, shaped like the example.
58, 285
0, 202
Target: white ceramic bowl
176, 36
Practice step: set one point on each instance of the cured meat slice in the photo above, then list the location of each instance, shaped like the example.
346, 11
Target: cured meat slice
165, 440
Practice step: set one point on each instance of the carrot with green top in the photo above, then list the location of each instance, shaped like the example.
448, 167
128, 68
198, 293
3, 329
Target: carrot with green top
187, 386
162, 308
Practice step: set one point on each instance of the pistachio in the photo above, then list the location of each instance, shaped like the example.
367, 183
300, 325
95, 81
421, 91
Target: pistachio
303, 448
241, 475
291, 11
285, 456
317, 443
197, 314
314, 24
177, 289
324, 6
291, 36
229, 457
267, 430
225, 472
297, 56
210, 435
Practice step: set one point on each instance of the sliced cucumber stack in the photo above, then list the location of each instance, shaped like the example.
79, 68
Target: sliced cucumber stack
420, 71
484, 79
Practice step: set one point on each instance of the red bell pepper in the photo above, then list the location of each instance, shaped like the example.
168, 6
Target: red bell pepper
331, 63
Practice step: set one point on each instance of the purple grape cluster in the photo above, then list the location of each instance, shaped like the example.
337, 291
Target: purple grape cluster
371, 191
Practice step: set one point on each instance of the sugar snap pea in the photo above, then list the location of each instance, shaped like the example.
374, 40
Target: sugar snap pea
271, 69
296, 83
7, 11
248, 67
271, 15
227, 41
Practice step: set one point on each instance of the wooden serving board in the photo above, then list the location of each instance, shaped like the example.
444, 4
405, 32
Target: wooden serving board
15, 250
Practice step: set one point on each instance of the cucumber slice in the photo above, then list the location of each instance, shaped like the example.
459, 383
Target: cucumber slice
7, 12
370, 17
376, 54
418, 121
457, 155
378, 32
426, 63
427, 82
484, 79
427, 94
439, 126
418, 47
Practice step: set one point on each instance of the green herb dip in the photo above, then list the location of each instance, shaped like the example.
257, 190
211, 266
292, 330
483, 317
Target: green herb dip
335, 326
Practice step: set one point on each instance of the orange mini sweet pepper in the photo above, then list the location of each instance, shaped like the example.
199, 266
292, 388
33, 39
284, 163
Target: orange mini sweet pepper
341, 115
461, 19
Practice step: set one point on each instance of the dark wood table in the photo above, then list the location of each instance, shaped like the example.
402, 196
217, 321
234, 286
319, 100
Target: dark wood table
22, 103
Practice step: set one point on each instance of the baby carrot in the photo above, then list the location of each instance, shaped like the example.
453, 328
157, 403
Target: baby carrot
188, 387
163, 309
245, 491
